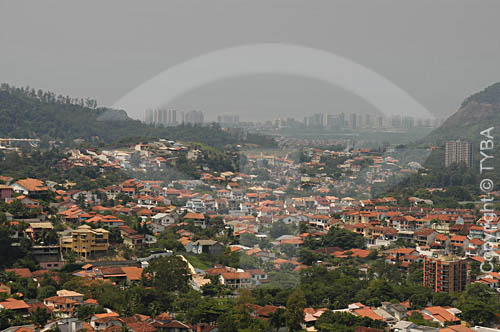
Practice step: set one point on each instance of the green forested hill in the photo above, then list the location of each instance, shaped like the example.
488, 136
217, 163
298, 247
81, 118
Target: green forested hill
477, 113
25, 113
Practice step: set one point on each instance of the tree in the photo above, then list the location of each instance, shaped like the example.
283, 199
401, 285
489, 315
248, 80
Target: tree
336, 321
45, 292
418, 301
277, 319
288, 249
442, 299
49, 237
226, 323
307, 256
279, 228
242, 308
168, 274
5, 245
478, 312
379, 291
208, 310
294, 314
115, 235
40, 316
248, 240
479, 303
4, 319
343, 238
86, 311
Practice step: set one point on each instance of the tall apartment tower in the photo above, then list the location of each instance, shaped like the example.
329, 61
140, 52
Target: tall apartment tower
161, 116
341, 120
458, 152
353, 120
193, 117
446, 274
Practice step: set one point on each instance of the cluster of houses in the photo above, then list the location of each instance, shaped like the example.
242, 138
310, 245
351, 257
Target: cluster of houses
248, 203
246, 206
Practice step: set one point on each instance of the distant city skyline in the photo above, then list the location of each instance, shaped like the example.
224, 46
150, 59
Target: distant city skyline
172, 117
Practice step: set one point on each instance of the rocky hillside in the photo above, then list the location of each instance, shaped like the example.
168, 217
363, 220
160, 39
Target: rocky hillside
478, 112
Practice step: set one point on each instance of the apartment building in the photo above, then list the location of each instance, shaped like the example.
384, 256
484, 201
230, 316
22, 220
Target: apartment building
86, 242
458, 152
446, 274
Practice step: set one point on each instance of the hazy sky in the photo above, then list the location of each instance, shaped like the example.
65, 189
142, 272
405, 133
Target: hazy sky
438, 51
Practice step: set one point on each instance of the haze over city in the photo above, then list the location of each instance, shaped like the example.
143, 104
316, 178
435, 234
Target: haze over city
249, 166
435, 51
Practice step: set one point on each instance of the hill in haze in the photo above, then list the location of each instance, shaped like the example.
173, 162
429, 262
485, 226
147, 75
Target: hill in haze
478, 112
26, 113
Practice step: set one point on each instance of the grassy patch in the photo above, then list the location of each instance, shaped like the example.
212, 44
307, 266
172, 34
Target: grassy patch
198, 263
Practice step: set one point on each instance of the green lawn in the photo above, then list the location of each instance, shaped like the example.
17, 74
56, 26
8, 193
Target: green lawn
197, 262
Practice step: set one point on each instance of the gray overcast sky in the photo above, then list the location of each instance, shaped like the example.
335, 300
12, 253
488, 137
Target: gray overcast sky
438, 51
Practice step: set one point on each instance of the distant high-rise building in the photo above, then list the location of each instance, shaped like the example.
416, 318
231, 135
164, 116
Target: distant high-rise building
341, 120
317, 120
353, 120
408, 122
324, 120
458, 152
193, 117
174, 117
368, 121
228, 120
446, 274
396, 121
161, 117
148, 116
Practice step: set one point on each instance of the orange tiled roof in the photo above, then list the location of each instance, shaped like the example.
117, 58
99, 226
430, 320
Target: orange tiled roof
13, 304
368, 312
442, 314
32, 184
22, 272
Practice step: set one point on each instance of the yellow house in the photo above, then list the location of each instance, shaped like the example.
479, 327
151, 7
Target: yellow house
86, 241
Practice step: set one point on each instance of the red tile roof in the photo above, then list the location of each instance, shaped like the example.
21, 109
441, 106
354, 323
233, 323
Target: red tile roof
23, 272
13, 304
32, 184
368, 312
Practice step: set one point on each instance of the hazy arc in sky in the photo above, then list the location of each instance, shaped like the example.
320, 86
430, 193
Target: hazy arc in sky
271, 58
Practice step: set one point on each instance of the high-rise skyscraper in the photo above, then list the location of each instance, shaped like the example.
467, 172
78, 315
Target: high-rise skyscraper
446, 274
193, 117
341, 120
228, 120
458, 152
161, 117
408, 122
368, 121
353, 120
